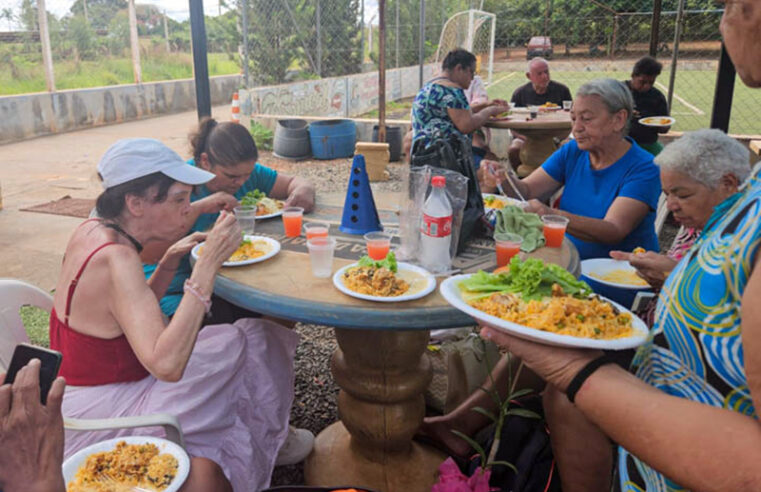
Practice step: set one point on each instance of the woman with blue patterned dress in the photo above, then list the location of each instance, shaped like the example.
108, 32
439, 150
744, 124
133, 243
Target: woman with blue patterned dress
441, 108
686, 419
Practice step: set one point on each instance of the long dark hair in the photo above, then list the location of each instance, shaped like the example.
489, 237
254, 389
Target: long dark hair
226, 144
110, 203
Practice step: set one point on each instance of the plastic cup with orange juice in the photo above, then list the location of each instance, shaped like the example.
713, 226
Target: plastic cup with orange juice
554, 230
292, 217
378, 244
506, 245
316, 229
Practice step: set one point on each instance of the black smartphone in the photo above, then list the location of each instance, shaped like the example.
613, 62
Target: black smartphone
50, 363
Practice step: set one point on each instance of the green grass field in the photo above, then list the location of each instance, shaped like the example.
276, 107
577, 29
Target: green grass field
30, 75
692, 102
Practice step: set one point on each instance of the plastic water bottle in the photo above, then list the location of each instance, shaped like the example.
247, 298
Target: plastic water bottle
436, 229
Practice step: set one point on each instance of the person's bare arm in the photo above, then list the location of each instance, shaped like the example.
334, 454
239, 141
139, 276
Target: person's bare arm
166, 268
295, 190
164, 351
622, 217
698, 446
467, 121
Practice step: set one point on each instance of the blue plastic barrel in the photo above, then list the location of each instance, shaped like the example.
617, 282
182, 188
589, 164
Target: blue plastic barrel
332, 139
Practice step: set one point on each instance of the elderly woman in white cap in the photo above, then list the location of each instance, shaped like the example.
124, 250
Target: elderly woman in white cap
119, 356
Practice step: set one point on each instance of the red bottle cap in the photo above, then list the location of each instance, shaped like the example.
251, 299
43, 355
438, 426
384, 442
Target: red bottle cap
438, 181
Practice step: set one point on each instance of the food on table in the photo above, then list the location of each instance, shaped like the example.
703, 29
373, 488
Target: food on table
548, 106
656, 121
264, 204
376, 278
130, 465
545, 297
491, 201
248, 250
621, 276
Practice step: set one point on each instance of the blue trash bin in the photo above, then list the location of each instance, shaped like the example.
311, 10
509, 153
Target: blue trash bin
332, 139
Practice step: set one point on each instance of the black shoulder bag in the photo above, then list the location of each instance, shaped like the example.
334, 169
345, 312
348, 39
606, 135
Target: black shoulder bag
455, 153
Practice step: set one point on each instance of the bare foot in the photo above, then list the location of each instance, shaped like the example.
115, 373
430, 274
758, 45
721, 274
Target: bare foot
439, 430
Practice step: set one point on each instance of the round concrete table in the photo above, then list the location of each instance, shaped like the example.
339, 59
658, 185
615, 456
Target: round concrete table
380, 364
540, 134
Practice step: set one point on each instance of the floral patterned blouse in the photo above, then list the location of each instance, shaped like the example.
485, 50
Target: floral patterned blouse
429, 112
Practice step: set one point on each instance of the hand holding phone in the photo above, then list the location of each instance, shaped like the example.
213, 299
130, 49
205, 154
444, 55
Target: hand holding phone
50, 362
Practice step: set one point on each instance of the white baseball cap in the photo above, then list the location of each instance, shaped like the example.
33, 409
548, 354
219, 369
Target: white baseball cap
132, 158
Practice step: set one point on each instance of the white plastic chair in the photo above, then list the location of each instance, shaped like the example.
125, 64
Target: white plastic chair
13, 295
660, 214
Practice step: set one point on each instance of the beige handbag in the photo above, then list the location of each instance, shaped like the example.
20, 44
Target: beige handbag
459, 368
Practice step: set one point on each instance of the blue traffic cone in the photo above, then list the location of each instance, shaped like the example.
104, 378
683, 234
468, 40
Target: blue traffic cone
360, 214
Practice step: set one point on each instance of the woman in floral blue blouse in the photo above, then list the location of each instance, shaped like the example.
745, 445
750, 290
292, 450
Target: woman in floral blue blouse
441, 106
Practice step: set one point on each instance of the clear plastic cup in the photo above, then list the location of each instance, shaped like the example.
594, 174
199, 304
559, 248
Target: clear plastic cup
533, 111
554, 230
321, 255
316, 229
378, 244
506, 245
246, 217
567, 105
292, 217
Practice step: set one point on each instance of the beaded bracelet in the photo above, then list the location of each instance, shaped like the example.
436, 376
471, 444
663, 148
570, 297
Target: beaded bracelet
195, 289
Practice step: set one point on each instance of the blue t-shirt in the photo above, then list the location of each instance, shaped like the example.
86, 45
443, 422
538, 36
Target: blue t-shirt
262, 178
590, 193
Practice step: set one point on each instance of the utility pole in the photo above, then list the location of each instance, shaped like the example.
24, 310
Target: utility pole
47, 57
134, 44
166, 34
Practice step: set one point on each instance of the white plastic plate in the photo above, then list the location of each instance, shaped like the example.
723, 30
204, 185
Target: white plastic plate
504, 199
601, 266
274, 249
75, 461
654, 121
451, 292
430, 284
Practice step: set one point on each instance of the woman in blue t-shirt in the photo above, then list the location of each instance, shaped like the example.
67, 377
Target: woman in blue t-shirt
611, 184
228, 151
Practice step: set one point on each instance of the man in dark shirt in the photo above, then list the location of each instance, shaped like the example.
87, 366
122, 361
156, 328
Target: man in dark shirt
648, 101
538, 91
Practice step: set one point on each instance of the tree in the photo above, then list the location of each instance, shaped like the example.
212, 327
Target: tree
100, 13
7, 14
82, 36
272, 43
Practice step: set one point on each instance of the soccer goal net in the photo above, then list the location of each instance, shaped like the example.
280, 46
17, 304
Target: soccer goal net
474, 31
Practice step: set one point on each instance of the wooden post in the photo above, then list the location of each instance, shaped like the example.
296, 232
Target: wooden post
421, 43
381, 70
654, 28
134, 44
166, 34
47, 57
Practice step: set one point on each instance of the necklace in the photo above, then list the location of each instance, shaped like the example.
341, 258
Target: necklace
124, 233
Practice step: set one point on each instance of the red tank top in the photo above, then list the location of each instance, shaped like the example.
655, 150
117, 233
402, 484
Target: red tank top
89, 360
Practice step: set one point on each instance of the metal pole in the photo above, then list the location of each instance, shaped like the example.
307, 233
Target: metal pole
134, 42
655, 27
396, 38
722, 97
362, 35
47, 56
421, 43
319, 40
491, 47
244, 33
381, 70
200, 64
675, 54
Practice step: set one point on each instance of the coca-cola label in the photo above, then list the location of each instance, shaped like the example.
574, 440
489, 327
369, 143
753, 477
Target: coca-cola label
436, 226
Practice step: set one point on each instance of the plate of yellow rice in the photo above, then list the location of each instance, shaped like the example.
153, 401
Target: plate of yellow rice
561, 320
149, 462
252, 249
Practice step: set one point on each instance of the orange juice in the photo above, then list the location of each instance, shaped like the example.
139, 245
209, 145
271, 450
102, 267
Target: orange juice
377, 250
505, 251
292, 225
553, 235
313, 232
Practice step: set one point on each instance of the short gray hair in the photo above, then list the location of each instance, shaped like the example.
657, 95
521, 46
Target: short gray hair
613, 93
705, 156
534, 60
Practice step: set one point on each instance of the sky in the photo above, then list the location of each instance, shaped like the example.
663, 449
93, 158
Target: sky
176, 9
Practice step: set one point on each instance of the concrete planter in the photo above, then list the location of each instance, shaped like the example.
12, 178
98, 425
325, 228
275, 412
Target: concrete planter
376, 159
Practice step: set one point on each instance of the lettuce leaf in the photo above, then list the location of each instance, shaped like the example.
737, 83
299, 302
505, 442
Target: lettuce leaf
252, 197
388, 262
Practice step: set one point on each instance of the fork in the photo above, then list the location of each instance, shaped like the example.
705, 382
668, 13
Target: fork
109, 480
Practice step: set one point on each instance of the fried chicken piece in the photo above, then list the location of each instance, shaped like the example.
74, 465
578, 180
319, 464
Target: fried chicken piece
557, 291
383, 281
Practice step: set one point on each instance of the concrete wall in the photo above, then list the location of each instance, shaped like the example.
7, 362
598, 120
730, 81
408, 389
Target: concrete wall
32, 115
338, 97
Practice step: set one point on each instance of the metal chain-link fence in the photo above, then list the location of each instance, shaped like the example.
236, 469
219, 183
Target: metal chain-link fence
291, 40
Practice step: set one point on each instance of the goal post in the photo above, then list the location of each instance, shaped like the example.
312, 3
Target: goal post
473, 30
